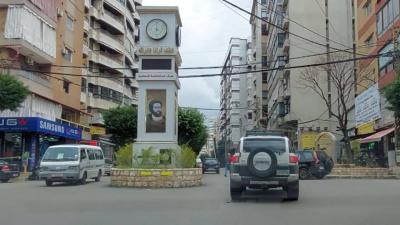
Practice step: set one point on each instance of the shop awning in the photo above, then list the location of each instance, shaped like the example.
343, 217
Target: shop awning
377, 136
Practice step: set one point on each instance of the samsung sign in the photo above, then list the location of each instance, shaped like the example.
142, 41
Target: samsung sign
367, 106
35, 124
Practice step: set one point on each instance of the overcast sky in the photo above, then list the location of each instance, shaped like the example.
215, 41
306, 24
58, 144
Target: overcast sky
207, 28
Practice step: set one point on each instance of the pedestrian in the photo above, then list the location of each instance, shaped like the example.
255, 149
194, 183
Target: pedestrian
227, 164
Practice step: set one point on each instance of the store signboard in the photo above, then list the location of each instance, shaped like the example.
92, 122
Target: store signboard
36, 124
366, 128
367, 106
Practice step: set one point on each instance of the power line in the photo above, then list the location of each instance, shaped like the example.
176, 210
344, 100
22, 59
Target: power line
281, 28
387, 54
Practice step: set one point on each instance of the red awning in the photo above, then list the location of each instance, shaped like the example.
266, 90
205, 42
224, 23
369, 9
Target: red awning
377, 136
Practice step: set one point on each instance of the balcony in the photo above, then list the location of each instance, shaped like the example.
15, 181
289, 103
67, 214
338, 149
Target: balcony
29, 34
136, 17
37, 83
111, 41
112, 20
85, 50
87, 4
110, 61
86, 26
94, 12
286, 46
286, 23
118, 5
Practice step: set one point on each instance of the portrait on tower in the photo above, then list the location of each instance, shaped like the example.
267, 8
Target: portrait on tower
155, 111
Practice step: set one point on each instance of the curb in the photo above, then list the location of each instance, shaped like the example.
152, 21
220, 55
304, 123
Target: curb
386, 177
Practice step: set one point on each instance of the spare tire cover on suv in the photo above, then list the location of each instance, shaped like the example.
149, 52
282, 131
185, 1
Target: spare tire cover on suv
262, 163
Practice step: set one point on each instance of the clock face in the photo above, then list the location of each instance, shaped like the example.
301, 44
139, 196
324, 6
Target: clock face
156, 29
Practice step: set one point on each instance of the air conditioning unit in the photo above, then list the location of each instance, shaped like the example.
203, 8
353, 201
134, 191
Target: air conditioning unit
64, 51
29, 61
60, 12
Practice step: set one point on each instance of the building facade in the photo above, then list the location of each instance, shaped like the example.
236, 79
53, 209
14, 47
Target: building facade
298, 111
33, 37
110, 36
234, 94
378, 27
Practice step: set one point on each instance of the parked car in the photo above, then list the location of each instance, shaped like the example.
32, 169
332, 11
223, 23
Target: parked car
211, 164
264, 162
72, 163
108, 166
312, 163
8, 171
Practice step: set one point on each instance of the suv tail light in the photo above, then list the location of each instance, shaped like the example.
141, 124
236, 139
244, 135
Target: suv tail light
5, 168
293, 158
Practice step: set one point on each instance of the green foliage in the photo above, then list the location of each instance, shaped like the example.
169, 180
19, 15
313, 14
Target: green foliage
392, 94
121, 122
12, 93
124, 157
186, 158
191, 129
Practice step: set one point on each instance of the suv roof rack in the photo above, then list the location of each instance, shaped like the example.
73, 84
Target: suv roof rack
265, 133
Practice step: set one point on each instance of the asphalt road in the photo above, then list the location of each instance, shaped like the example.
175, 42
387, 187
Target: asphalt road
322, 202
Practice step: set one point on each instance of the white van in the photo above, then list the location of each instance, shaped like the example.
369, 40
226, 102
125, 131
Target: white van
72, 163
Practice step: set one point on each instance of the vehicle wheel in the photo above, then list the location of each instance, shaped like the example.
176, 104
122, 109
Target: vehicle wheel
83, 180
97, 179
303, 173
319, 176
49, 183
5, 180
218, 171
236, 191
292, 190
203, 171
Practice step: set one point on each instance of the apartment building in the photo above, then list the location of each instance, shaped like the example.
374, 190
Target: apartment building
378, 27
35, 35
110, 35
234, 94
292, 108
257, 58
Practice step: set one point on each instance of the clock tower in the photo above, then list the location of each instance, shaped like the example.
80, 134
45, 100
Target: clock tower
159, 61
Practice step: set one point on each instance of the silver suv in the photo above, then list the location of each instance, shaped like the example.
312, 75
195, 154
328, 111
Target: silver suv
265, 162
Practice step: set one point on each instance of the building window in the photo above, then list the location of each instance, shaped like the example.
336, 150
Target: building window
83, 84
66, 85
264, 2
250, 115
264, 29
367, 8
369, 42
385, 61
264, 77
264, 61
67, 54
387, 15
264, 14
70, 23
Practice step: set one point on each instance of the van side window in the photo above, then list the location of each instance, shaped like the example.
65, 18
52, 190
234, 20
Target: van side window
91, 154
100, 154
83, 154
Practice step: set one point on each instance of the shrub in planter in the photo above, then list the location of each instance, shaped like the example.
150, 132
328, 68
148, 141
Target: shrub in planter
124, 157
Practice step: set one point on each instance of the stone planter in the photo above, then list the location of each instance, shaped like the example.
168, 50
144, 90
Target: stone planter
156, 178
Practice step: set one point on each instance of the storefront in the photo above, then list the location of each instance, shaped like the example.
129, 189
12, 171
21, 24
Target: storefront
381, 146
28, 138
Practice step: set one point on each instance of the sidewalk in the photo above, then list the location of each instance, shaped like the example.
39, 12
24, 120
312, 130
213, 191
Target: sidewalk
354, 172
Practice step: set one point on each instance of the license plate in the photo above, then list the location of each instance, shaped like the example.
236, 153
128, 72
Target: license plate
282, 172
321, 167
15, 175
264, 182
56, 175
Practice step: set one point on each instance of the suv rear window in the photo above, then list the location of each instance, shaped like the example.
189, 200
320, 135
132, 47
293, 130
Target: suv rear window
273, 144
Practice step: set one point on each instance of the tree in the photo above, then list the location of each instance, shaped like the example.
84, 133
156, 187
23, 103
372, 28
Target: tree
191, 129
12, 93
338, 100
392, 94
121, 122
